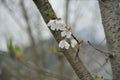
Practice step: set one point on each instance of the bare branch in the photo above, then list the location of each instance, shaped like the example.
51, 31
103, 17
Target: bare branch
97, 48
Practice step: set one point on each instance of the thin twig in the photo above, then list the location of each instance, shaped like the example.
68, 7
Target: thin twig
107, 54
101, 41
78, 47
96, 48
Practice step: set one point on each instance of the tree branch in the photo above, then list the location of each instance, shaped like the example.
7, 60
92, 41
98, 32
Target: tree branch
110, 12
78, 66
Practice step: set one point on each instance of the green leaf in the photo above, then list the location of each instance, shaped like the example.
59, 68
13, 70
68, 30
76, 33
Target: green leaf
98, 77
50, 13
18, 52
52, 49
14, 51
10, 48
59, 18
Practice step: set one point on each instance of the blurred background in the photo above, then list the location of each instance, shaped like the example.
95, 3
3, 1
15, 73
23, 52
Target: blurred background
21, 21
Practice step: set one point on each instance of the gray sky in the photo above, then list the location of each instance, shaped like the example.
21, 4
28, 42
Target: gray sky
88, 19
88, 24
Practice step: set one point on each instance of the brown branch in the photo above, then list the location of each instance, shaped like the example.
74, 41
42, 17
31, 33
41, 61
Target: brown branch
78, 66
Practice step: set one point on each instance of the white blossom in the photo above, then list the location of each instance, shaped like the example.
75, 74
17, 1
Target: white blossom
56, 25
61, 25
52, 25
73, 43
64, 44
66, 33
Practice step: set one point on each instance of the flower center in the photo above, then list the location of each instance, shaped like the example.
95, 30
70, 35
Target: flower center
81, 41
69, 29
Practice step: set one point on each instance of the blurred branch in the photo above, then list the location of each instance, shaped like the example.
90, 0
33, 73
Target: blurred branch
55, 75
11, 12
26, 17
67, 11
102, 66
8, 62
29, 30
106, 59
77, 14
78, 66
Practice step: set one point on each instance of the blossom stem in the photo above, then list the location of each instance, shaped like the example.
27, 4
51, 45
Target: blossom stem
78, 45
75, 38
77, 52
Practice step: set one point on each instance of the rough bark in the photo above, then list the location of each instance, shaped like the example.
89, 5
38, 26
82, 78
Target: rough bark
110, 11
78, 66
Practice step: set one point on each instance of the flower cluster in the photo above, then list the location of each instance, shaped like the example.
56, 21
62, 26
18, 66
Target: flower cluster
56, 25
68, 41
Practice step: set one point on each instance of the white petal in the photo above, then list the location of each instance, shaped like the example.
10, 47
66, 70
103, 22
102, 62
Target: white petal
48, 24
62, 27
61, 44
62, 23
53, 27
59, 22
63, 33
51, 22
73, 43
68, 34
57, 27
67, 45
